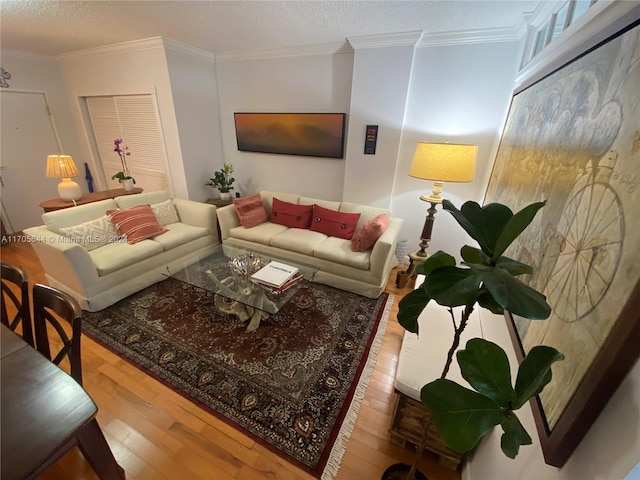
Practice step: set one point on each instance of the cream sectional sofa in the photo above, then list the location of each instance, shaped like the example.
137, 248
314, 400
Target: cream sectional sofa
100, 275
365, 273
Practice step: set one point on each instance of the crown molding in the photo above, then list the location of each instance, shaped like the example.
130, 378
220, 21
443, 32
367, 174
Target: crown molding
303, 50
6, 52
153, 43
467, 37
188, 50
386, 40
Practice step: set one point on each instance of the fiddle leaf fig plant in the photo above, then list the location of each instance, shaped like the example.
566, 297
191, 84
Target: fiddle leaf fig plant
488, 279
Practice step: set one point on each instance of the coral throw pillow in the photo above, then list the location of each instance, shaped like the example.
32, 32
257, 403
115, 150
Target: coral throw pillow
250, 210
368, 235
333, 223
290, 214
136, 223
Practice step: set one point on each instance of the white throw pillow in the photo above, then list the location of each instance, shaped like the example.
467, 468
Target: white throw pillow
165, 212
92, 234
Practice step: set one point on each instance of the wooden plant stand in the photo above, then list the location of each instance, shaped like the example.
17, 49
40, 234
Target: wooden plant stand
409, 416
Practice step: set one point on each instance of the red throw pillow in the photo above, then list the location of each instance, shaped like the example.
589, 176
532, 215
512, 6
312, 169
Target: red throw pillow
250, 210
334, 224
136, 223
291, 214
366, 237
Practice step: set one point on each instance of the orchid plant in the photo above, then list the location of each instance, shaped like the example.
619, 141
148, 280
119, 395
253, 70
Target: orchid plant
123, 152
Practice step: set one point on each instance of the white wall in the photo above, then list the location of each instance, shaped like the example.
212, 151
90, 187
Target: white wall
38, 73
460, 94
303, 84
195, 97
127, 68
380, 87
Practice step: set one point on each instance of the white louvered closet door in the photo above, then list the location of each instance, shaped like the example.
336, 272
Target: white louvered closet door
134, 119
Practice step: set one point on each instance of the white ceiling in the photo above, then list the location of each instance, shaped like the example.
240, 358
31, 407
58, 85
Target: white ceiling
53, 27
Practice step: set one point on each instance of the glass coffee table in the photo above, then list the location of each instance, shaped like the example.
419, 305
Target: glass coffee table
226, 273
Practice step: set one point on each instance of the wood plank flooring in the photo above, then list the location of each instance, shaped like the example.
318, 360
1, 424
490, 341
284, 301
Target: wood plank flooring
156, 434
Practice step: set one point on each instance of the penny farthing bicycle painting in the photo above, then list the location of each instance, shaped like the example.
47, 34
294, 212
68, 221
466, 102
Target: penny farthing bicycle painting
573, 139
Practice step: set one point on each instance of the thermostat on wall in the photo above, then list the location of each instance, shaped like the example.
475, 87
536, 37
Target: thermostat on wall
370, 140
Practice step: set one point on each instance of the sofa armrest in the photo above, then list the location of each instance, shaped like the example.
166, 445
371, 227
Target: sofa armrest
198, 214
227, 219
385, 247
62, 259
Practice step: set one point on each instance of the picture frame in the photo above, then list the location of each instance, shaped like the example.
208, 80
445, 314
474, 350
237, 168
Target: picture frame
570, 139
306, 134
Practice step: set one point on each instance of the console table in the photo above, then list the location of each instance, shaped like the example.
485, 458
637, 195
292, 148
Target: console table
59, 204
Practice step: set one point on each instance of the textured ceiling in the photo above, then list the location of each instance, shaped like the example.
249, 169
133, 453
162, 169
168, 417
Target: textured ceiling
54, 27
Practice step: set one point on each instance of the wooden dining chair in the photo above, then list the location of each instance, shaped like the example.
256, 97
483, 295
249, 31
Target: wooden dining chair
15, 291
49, 306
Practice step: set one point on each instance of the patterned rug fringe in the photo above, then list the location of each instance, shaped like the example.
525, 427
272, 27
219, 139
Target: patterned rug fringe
339, 447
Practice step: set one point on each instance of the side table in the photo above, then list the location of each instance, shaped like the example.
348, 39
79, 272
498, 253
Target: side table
59, 204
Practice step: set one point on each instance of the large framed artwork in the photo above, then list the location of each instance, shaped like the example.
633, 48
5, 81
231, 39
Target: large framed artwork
309, 134
573, 138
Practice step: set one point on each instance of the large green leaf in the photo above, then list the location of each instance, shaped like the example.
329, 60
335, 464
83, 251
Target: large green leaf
514, 435
535, 372
512, 294
514, 267
453, 286
486, 367
474, 255
486, 300
484, 224
514, 227
461, 416
410, 307
437, 260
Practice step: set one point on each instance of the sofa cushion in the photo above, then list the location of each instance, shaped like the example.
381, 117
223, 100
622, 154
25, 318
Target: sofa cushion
338, 250
144, 198
366, 237
165, 212
331, 205
298, 240
262, 233
178, 234
267, 198
250, 210
115, 256
69, 217
366, 212
290, 214
136, 223
334, 223
92, 234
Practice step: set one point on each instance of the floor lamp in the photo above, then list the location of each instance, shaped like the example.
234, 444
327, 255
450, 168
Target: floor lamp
439, 162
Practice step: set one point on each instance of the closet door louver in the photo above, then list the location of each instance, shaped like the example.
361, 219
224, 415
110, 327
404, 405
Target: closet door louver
134, 119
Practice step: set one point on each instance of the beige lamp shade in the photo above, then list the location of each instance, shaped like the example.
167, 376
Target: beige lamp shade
62, 166
444, 162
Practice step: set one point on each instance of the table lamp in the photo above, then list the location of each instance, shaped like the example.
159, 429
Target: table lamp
439, 162
62, 166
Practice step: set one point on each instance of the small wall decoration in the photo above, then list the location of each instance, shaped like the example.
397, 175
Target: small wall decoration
4, 76
309, 134
572, 139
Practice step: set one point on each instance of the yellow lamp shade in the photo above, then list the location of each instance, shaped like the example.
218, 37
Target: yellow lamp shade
444, 162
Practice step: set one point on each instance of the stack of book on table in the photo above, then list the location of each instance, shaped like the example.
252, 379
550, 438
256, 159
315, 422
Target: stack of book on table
277, 276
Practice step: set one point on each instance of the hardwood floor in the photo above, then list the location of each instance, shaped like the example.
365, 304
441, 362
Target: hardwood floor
157, 434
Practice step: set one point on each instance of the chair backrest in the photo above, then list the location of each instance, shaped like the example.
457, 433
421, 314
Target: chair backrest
15, 291
50, 305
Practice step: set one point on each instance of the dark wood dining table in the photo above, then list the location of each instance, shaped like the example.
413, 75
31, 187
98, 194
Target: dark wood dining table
43, 411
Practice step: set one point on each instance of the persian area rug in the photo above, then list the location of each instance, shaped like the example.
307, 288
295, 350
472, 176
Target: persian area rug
294, 384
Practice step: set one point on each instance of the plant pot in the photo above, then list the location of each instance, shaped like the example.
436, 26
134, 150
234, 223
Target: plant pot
398, 471
225, 195
127, 184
